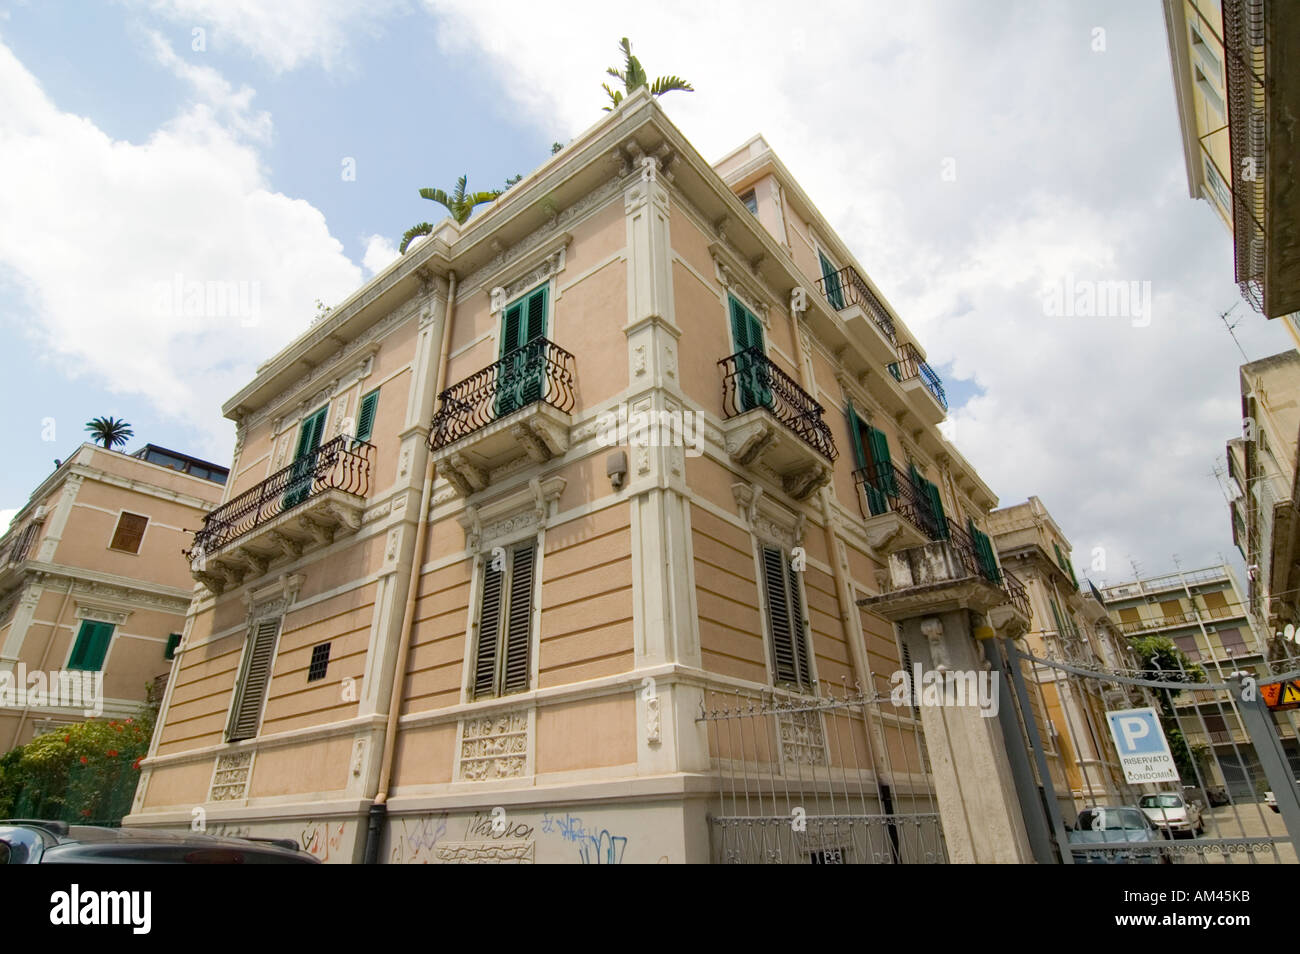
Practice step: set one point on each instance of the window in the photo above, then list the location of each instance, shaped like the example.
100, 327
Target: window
1187, 645
304, 458
871, 452
91, 646
750, 201
521, 379
785, 620
129, 532
501, 657
320, 662
1222, 194
1173, 609
1202, 49
831, 280
366, 416
1233, 643
988, 562
931, 502
255, 673
752, 381
1212, 98
173, 641
24, 543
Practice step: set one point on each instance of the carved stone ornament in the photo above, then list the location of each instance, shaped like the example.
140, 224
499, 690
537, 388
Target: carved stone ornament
550, 266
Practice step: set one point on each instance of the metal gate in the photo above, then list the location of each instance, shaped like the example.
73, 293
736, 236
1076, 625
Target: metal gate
840, 778
1237, 799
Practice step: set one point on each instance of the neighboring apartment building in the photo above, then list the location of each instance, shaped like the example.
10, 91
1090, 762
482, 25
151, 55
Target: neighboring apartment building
1236, 81
92, 579
1079, 751
455, 578
1204, 614
1262, 474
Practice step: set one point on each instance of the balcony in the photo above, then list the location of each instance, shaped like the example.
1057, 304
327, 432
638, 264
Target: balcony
517, 407
307, 504
911, 371
863, 314
771, 424
897, 514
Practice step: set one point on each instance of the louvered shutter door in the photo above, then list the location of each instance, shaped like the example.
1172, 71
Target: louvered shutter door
832, 281
879, 444
129, 532
366, 418
519, 624
508, 381
534, 356
489, 626
936, 506
92, 646
778, 615
1057, 614
800, 629
855, 435
248, 711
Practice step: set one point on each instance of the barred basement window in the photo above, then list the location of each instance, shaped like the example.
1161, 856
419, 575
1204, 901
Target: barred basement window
785, 621
320, 661
255, 673
501, 657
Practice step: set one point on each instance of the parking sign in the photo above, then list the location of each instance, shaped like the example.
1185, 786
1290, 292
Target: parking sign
1142, 747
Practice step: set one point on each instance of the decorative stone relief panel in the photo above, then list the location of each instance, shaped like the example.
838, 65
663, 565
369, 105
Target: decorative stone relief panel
230, 777
494, 746
803, 742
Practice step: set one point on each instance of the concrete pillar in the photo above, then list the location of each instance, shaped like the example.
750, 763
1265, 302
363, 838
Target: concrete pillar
944, 609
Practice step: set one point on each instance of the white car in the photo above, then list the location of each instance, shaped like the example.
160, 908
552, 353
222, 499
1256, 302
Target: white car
1173, 813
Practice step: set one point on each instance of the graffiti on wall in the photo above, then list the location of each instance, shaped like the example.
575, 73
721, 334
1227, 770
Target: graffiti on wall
323, 838
594, 848
415, 840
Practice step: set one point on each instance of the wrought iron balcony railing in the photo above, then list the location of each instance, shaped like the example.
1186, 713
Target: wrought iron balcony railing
750, 380
341, 464
910, 365
846, 287
886, 489
539, 371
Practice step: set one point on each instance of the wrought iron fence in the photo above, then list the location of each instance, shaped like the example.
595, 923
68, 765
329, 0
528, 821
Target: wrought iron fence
1245, 86
539, 371
751, 380
910, 365
828, 779
846, 287
341, 464
1218, 809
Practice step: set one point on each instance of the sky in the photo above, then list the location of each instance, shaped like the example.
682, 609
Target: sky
977, 157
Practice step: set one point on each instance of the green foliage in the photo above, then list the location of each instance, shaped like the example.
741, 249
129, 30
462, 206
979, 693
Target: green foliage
460, 204
1160, 659
83, 773
424, 228
556, 147
633, 77
109, 431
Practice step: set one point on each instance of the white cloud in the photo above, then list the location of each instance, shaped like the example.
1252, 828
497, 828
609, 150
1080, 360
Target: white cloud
1067, 162
380, 253
285, 34
99, 232
6, 517
233, 109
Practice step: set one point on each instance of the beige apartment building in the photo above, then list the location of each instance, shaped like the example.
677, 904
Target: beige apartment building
639, 435
1076, 740
92, 581
1236, 81
1262, 478
1203, 613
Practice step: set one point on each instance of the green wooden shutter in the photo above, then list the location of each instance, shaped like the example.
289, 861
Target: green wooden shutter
246, 715
784, 664
173, 641
751, 378
92, 646
304, 461
1060, 627
984, 552
366, 416
489, 626
876, 502
533, 360
519, 619
936, 507
879, 444
834, 294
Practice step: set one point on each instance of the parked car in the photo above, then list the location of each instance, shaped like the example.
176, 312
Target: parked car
29, 841
1173, 813
1117, 825
1272, 801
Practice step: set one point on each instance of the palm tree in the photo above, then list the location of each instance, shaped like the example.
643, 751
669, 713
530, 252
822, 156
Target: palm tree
634, 77
460, 204
109, 431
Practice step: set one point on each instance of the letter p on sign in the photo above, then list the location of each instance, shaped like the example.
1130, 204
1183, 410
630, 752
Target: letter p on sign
1132, 729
